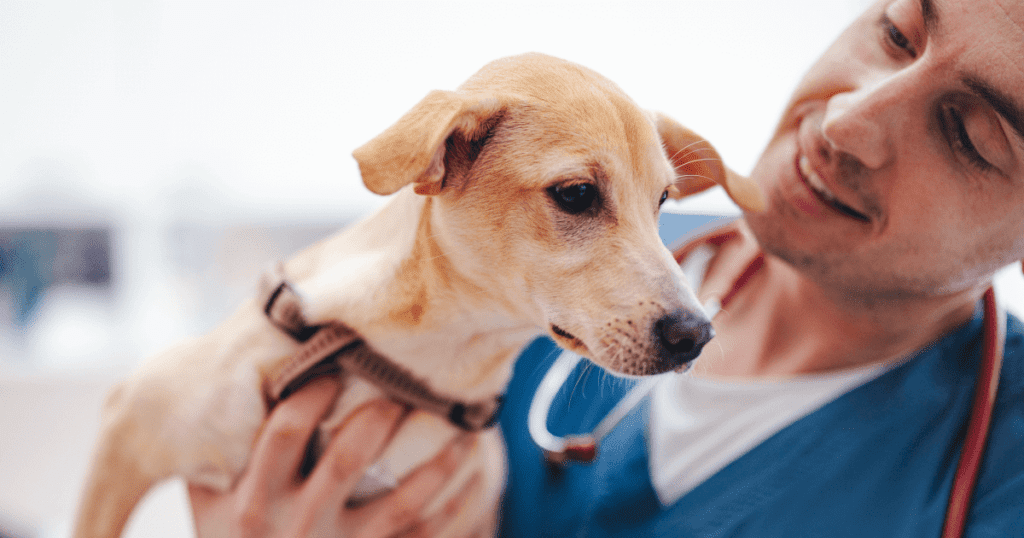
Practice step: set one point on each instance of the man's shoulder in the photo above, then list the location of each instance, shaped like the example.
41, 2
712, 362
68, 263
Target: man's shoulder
1012, 375
1008, 417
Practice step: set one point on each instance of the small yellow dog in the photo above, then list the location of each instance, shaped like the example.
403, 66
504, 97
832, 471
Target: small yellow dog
525, 202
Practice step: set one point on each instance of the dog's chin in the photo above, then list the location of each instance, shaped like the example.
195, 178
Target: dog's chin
684, 368
566, 340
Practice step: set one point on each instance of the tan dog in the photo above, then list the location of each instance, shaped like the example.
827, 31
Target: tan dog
526, 203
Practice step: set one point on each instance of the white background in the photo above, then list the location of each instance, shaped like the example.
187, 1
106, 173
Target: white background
256, 106
146, 114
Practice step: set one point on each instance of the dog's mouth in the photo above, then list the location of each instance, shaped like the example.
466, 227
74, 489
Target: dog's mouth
568, 340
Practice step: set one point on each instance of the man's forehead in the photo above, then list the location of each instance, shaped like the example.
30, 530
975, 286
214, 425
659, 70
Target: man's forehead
1004, 18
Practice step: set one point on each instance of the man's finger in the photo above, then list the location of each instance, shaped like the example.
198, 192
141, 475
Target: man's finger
453, 519
402, 507
281, 446
356, 445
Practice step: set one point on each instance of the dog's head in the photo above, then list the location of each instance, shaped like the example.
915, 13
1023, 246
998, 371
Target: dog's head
546, 182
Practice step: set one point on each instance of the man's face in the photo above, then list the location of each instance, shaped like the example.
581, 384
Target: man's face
898, 167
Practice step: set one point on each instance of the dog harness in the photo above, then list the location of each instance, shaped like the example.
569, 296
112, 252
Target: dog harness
335, 349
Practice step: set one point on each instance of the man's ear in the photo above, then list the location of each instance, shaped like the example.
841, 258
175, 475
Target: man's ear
699, 166
413, 149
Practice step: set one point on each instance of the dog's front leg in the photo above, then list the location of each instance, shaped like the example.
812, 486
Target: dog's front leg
192, 411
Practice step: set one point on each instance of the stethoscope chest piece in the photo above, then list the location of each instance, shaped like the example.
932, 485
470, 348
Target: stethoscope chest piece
577, 448
561, 450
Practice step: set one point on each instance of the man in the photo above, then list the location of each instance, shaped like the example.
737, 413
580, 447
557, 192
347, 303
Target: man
895, 186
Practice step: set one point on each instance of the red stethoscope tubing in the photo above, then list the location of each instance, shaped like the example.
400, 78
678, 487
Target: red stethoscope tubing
558, 450
973, 449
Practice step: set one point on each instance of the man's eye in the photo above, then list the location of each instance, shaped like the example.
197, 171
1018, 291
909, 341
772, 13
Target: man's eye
896, 38
960, 139
575, 198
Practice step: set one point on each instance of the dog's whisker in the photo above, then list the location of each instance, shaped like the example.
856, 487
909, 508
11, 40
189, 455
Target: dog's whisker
707, 360
690, 145
703, 159
695, 152
693, 176
588, 368
579, 381
721, 349
684, 152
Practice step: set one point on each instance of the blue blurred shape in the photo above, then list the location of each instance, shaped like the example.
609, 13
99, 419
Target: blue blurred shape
32, 259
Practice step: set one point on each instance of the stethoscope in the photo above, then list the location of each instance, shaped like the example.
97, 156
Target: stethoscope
583, 448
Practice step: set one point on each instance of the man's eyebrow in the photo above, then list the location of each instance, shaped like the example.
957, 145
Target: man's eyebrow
999, 101
1002, 103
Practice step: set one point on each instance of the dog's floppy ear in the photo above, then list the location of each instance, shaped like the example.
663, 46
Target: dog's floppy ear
413, 149
699, 166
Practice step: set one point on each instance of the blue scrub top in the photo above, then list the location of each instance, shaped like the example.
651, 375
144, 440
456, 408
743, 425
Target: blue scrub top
877, 461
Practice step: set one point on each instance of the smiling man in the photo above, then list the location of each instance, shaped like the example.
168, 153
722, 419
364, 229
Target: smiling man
835, 397
896, 171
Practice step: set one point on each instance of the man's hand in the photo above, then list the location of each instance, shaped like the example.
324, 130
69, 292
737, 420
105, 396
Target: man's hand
271, 499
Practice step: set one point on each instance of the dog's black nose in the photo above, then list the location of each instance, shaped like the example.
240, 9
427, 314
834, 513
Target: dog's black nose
682, 334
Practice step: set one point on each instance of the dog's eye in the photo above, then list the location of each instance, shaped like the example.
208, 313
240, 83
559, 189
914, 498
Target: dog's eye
664, 196
575, 198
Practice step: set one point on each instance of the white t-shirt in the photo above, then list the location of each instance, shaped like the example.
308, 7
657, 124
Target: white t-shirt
699, 425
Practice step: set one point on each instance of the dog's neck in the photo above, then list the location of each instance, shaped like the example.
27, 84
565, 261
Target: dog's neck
390, 278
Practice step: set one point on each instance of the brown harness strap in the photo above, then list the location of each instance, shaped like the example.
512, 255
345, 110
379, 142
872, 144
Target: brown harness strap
333, 348
282, 304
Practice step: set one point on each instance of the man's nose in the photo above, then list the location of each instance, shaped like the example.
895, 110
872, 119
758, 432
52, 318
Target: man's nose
859, 122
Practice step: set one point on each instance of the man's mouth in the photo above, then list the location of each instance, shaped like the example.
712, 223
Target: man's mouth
828, 197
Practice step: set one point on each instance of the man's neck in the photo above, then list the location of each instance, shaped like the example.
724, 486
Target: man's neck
783, 324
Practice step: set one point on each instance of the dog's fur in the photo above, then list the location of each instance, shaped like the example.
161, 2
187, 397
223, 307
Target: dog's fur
470, 260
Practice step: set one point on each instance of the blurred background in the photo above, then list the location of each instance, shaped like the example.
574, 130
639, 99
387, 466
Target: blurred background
157, 155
